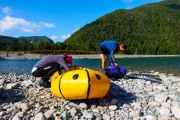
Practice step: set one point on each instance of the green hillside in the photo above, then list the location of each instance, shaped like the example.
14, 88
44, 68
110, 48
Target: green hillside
148, 29
8, 43
36, 39
7, 40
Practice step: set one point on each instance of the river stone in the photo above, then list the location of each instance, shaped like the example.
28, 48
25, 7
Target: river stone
165, 104
20, 114
164, 118
148, 82
126, 106
23, 106
150, 117
57, 118
11, 86
113, 107
27, 83
1, 114
64, 114
164, 111
40, 116
154, 104
136, 105
87, 115
49, 113
95, 110
1, 81
176, 104
106, 117
16, 117
73, 111
160, 97
176, 112
83, 105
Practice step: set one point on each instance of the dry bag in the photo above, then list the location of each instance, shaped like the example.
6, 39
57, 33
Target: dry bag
114, 71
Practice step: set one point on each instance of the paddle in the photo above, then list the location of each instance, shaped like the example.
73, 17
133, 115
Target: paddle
147, 77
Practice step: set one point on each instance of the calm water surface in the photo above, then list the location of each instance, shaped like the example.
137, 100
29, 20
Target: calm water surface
170, 65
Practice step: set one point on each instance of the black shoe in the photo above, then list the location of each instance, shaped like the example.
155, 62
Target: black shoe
45, 84
103, 71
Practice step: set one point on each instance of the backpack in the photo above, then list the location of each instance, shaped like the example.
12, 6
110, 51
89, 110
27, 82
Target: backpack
117, 72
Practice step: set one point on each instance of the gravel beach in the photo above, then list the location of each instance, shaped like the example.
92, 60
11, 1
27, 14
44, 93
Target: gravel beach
128, 99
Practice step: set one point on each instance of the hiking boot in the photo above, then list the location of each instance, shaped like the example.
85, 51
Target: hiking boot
103, 71
45, 84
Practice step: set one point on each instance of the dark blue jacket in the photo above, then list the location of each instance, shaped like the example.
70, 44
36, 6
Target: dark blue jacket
110, 47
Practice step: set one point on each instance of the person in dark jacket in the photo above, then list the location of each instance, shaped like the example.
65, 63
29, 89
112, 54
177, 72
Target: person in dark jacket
48, 65
108, 49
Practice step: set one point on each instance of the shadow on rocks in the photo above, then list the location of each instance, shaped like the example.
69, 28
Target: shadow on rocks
11, 96
119, 96
115, 96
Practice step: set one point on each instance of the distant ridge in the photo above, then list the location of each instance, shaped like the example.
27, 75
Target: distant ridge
36, 39
7, 40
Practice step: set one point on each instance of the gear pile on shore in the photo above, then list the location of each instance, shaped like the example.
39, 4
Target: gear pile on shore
128, 99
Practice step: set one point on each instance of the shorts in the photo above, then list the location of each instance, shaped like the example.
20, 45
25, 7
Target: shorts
102, 51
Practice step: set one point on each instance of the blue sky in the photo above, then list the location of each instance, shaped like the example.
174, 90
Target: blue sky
56, 19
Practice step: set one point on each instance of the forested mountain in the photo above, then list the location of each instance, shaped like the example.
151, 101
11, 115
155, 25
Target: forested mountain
148, 29
25, 43
7, 41
36, 39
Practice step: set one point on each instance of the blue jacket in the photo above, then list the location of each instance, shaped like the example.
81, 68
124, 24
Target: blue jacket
110, 47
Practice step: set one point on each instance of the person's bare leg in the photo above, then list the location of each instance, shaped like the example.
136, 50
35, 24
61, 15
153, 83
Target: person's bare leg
103, 58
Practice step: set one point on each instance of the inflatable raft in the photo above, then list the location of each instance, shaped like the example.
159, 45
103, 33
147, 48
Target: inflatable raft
79, 83
62, 70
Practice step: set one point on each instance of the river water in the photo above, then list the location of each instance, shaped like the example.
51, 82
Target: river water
169, 65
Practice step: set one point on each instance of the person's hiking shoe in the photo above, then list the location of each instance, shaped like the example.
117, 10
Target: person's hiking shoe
45, 84
103, 71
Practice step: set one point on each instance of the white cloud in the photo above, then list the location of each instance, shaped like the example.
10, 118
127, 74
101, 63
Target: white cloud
65, 36
48, 25
11, 23
54, 37
26, 30
6, 10
62, 38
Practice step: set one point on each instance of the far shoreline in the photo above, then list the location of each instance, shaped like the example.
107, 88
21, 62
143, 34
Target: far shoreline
27, 56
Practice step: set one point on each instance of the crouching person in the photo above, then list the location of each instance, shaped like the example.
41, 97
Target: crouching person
48, 65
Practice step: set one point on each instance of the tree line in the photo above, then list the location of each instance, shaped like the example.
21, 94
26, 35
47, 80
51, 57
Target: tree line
43, 48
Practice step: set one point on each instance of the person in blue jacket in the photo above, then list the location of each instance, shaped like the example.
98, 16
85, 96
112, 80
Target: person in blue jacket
108, 49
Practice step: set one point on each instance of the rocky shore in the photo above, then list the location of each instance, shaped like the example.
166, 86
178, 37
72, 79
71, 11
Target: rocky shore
128, 99
26, 56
